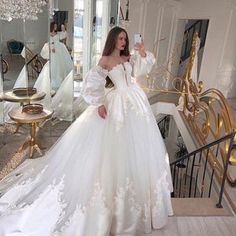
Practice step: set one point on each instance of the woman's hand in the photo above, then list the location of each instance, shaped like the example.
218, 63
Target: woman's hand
140, 48
102, 111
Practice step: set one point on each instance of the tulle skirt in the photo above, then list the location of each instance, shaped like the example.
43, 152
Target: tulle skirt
61, 64
103, 177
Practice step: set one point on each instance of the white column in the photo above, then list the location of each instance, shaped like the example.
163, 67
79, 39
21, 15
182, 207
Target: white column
87, 36
105, 21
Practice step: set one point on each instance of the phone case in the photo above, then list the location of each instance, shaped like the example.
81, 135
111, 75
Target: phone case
137, 38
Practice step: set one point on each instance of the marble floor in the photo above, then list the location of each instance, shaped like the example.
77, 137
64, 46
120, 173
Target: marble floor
11, 154
198, 226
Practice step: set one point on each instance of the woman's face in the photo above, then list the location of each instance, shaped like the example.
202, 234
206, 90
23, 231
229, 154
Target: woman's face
121, 41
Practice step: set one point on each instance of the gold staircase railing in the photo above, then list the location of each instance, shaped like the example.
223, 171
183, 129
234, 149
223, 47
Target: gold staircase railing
209, 115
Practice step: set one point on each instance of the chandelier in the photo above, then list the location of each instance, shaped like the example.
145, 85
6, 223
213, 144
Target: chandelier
53, 7
21, 9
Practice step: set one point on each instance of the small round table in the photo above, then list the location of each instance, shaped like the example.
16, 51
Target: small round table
11, 97
34, 120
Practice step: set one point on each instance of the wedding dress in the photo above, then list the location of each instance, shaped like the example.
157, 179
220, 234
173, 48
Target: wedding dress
61, 62
60, 59
103, 176
62, 101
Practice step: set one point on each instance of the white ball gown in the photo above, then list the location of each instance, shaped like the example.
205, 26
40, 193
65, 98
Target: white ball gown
102, 177
61, 63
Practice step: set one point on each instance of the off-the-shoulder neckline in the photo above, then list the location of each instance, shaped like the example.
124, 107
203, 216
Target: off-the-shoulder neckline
118, 64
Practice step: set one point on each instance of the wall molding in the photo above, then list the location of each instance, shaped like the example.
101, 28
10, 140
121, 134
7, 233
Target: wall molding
171, 36
229, 24
159, 29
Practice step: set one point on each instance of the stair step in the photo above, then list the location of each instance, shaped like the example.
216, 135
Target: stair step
197, 207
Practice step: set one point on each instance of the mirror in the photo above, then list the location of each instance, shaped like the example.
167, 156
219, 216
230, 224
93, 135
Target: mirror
91, 25
61, 43
2, 66
36, 35
37, 55
79, 10
12, 45
38, 52
14, 74
61, 61
114, 13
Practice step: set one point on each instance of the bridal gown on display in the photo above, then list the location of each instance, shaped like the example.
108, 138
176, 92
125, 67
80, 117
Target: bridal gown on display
103, 176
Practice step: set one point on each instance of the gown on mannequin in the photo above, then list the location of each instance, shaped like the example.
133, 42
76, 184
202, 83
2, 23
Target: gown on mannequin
103, 176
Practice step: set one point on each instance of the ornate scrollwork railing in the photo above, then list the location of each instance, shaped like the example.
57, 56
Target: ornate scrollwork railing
209, 115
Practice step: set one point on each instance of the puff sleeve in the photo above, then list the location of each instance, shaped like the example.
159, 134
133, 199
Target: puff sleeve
142, 65
93, 88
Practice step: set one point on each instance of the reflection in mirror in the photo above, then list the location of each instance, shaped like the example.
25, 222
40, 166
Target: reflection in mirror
92, 21
3, 70
114, 13
96, 32
78, 38
123, 13
36, 35
99, 30
12, 45
61, 63
190, 27
104, 17
37, 55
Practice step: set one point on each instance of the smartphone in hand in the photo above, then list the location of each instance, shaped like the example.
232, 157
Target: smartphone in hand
137, 38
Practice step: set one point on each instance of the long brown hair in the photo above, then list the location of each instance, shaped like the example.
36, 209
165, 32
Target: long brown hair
52, 24
110, 45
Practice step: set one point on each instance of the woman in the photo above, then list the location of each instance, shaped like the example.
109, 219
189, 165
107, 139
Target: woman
109, 173
61, 62
63, 35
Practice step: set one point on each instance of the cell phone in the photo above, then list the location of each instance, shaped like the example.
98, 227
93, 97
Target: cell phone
137, 38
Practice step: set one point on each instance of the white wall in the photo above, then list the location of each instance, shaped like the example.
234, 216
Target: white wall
158, 22
218, 64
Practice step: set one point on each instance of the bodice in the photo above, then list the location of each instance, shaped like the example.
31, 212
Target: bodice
120, 75
55, 38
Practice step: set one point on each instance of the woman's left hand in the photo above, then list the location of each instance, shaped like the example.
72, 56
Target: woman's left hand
140, 48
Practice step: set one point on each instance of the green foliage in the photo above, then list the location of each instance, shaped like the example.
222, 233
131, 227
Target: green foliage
181, 150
